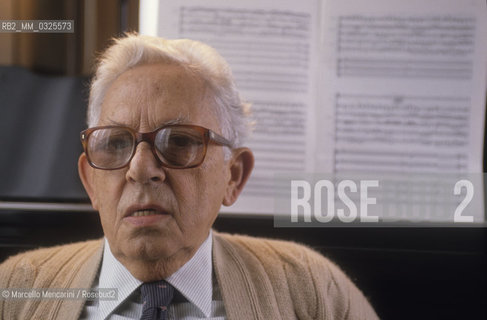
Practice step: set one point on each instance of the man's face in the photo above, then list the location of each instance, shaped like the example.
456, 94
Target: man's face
186, 201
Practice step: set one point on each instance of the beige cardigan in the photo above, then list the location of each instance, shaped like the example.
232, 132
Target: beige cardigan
259, 279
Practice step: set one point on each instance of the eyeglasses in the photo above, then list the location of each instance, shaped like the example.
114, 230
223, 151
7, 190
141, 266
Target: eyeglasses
178, 146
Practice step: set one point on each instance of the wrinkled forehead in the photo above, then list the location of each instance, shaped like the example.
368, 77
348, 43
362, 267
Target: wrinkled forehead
150, 95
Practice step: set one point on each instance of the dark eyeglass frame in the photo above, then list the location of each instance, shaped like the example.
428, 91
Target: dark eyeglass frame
149, 137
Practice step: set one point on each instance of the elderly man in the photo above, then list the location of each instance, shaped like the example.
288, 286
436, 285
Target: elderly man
162, 153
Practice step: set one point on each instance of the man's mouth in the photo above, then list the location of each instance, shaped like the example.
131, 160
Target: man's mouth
144, 213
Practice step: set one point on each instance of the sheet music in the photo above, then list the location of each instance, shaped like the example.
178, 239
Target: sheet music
408, 87
380, 86
385, 133
405, 83
272, 55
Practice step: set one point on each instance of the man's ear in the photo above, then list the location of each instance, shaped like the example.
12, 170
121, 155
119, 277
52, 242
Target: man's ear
85, 172
241, 165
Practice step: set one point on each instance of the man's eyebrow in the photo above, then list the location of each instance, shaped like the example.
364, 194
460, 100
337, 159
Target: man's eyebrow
179, 120
116, 123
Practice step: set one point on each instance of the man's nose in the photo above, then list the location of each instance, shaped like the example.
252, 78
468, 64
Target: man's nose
144, 167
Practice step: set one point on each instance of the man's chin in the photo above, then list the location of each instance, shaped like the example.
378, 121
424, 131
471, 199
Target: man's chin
150, 260
145, 250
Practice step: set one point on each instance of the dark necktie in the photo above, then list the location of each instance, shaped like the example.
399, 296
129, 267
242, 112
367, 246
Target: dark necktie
156, 297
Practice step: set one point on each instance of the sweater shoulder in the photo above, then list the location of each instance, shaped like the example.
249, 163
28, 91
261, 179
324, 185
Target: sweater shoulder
290, 259
317, 287
23, 269
272, 249
42, 256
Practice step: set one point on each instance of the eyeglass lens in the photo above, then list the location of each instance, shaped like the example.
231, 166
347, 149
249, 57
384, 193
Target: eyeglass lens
175, 146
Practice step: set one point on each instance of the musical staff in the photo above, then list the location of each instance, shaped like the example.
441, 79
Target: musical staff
389, 133
424, 46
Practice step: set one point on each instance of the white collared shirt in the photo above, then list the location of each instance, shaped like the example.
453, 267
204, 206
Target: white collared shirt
194, 280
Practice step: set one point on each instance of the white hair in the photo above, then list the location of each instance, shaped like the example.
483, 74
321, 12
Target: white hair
206, 62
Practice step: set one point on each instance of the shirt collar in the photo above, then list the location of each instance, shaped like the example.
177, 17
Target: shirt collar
193, 280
